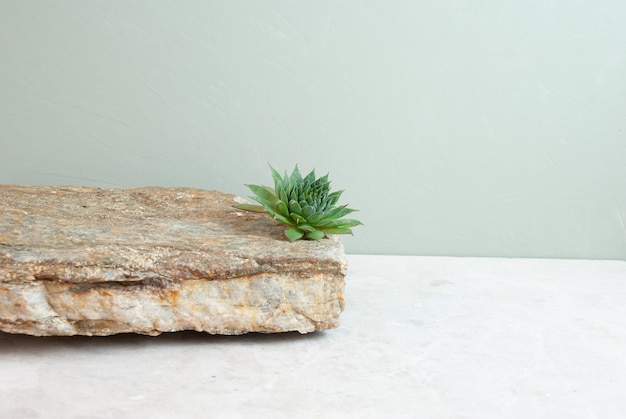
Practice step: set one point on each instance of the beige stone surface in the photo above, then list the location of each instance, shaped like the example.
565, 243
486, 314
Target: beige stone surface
90, 261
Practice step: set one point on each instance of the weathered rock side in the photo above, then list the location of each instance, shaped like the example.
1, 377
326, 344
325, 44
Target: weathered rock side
90, 261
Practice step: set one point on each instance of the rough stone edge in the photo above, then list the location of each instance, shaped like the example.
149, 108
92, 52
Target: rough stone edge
308, 304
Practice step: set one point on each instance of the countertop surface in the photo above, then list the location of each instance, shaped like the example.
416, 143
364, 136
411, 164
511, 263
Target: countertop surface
421, 337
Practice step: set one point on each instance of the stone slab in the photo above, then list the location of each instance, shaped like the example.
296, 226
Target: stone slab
91, 261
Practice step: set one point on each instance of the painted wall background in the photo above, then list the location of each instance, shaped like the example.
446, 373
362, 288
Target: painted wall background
491, 128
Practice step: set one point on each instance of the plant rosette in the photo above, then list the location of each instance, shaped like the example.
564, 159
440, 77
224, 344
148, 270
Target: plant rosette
305, 204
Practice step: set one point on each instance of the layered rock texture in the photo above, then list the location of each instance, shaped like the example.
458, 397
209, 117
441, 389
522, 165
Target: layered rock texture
89, 261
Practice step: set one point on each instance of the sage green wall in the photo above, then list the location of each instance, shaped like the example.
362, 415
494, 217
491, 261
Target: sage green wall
487, 127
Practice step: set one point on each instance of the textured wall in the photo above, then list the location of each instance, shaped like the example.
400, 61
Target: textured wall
457, 127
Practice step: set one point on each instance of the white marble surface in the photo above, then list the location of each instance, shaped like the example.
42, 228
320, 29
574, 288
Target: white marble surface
421, 337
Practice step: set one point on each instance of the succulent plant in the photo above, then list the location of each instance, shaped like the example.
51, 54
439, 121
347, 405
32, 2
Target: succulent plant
306, 205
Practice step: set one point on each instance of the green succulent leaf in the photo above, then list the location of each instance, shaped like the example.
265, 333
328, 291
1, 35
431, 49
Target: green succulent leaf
334, 197
298, 218
315, 235
308, 211
316, 217
295, 207
283, 219
278, 181
306, 228
338, 212
282, 208
263, 192
306, 204
263, 197
293, 234
338, 223
337, 230
251, 207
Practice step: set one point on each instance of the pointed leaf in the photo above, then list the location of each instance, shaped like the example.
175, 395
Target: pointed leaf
338, 223
305, 227
296, 177
298, 218
294, 207
270, 211
283, 219
278, 181
315, 235
310, 177
338, 212
337, 230
251, 207
286, 184
307, 211
269, 206
263, 192
293, 234
315, 218
283, 195
348, 222
323, 182
281, 207
333, 198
